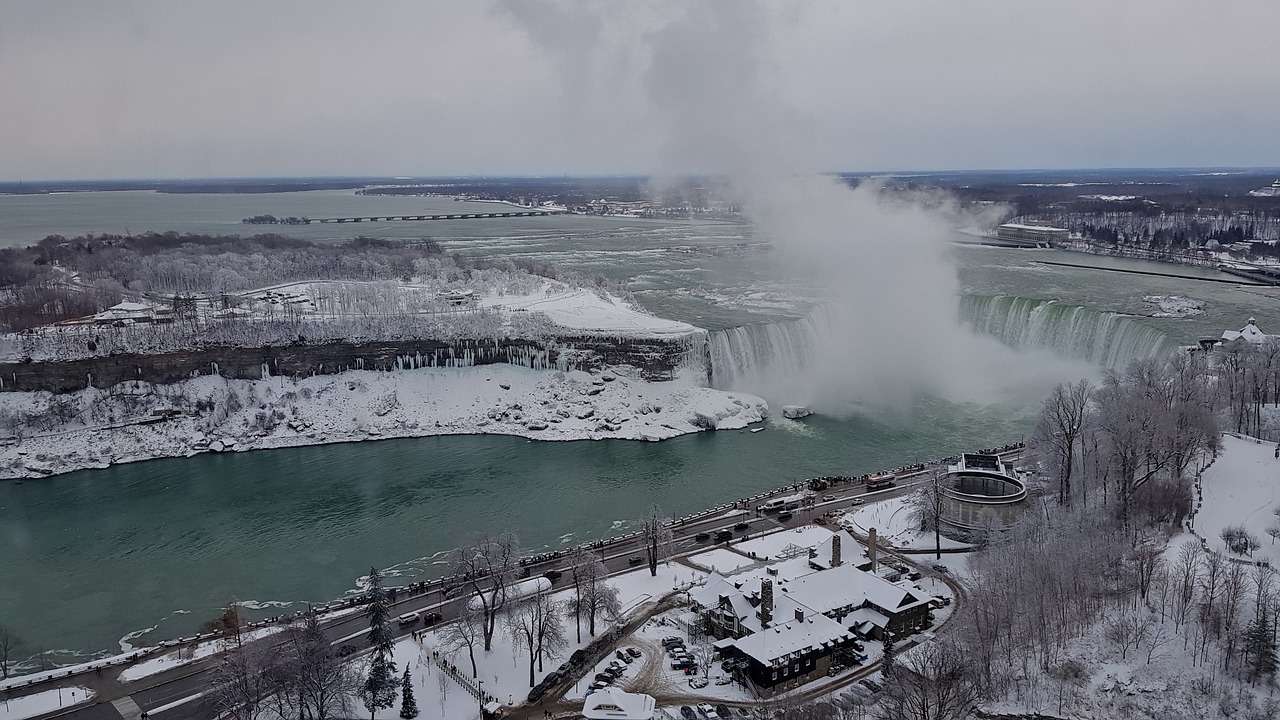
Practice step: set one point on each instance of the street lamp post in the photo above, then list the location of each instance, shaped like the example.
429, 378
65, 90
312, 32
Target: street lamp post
480, 696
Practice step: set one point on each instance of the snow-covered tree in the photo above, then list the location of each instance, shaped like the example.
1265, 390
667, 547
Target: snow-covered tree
408, 706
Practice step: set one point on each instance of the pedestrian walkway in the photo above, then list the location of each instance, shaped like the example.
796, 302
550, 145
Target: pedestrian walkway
127, 708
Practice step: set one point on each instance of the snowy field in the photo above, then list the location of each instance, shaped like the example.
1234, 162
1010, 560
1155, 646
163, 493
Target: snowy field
1241, 487
770, 546
893, 524
721, 560
362, 405
43, 702
586, 310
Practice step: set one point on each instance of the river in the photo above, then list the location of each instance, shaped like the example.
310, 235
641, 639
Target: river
91, 558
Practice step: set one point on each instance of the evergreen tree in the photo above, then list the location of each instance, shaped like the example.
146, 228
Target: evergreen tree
408, 706
1260, 648
379, 690
886, 663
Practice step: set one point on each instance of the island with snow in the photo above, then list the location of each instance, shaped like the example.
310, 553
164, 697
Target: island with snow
453, 348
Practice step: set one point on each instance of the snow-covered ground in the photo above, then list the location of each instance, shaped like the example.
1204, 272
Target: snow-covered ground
893, 524
182, 656
587, 310
770, 546
362, 405
721, 560
1241, 487
43, 702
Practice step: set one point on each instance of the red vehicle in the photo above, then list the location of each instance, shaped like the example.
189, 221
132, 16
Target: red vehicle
879, 482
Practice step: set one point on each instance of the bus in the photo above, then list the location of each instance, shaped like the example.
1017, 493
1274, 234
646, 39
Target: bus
879, 482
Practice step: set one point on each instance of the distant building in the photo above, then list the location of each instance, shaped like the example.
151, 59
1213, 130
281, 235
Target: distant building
1033, 232
125, 313
1249, 334
1273, 190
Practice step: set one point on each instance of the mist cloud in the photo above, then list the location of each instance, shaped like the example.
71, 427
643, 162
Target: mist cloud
889, 331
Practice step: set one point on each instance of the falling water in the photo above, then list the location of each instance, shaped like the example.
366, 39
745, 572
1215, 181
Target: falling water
1107, 339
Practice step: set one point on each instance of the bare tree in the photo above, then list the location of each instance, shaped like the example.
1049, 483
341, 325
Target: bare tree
242, 680
1147, 558
535, 622
465, 632
1062, 417
656, 531
9, 644
928, 502
312, 673
601, 603
485, 567
931, 683
586, 571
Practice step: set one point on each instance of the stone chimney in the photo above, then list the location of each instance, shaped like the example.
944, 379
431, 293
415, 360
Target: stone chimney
766, 602
835, 551
871, 549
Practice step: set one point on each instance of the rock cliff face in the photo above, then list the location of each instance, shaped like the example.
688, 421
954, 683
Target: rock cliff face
656, 359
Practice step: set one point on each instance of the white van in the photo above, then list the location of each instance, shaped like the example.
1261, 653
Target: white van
409, 618
772, 505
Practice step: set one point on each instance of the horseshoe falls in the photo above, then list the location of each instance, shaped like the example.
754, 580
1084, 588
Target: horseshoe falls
1107, 339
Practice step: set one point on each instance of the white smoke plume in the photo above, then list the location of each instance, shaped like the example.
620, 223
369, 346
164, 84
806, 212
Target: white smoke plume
892, 331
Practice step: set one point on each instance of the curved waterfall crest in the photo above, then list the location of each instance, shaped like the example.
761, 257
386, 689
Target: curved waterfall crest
748, 356
1108, 339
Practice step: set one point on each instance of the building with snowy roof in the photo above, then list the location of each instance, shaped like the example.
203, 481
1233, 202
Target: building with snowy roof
125, 313
614, 704
1248, 334
789, 629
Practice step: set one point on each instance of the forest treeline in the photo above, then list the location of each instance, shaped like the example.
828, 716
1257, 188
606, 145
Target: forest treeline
60, 278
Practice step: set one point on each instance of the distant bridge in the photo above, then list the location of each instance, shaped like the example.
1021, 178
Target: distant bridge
450, 216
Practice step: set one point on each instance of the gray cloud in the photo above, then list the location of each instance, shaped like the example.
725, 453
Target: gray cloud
176, 88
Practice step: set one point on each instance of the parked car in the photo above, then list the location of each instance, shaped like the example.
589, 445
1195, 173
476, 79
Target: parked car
723, 710
871, 685
724, 680
634, 652
604, 677
940, 567
819, 521
697, 683
672, 639
740, 527
702, 537
707, 710
688, 712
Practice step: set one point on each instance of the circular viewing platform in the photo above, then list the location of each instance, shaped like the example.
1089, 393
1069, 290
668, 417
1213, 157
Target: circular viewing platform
982, 493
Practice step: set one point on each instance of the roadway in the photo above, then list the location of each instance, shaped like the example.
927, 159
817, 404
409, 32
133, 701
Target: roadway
176, 694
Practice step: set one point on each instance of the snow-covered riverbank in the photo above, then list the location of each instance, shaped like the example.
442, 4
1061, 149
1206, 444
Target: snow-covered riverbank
213, 414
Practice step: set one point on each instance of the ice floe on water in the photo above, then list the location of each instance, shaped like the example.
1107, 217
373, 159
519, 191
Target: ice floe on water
1174, 306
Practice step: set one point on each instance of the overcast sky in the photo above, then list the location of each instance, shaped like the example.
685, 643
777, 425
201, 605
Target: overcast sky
177, 88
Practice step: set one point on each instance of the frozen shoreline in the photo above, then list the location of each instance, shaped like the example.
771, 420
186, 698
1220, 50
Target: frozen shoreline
363, 405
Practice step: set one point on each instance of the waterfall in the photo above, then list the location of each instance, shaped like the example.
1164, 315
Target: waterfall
1108, 339
745, 354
